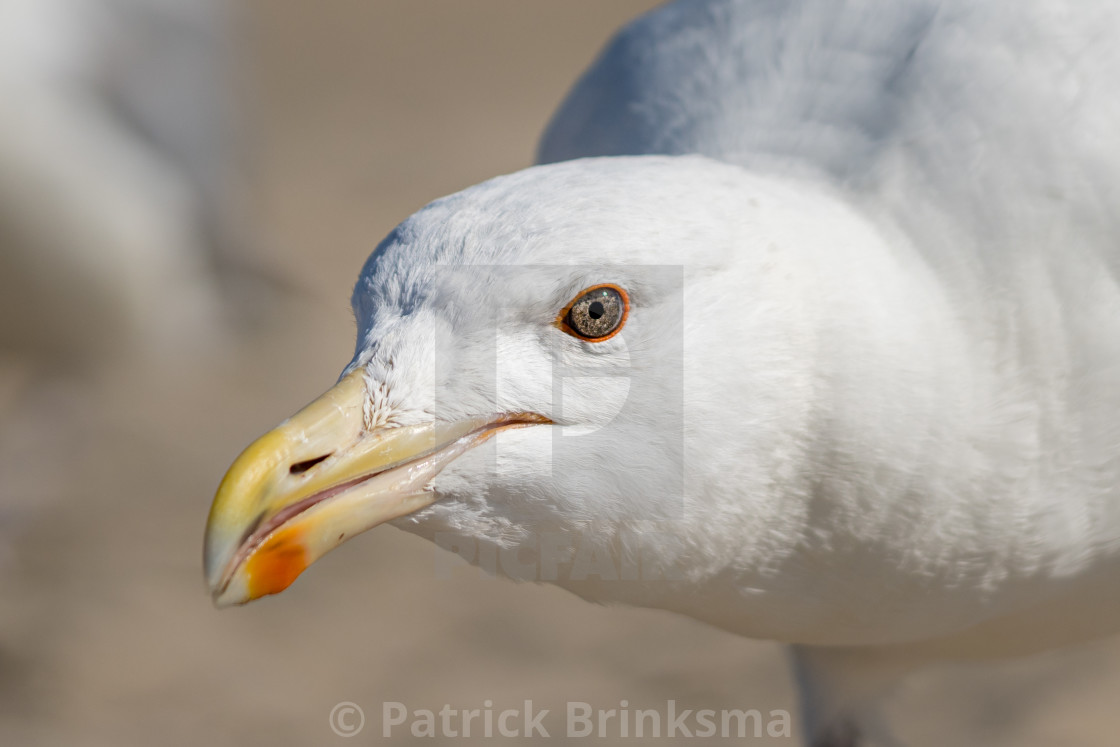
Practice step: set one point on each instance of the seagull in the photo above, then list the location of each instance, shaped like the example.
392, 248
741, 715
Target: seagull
806, 325
116, 173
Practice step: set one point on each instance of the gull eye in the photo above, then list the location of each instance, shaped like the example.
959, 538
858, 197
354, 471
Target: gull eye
596, 314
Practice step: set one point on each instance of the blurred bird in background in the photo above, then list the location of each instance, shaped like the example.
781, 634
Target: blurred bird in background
117, 175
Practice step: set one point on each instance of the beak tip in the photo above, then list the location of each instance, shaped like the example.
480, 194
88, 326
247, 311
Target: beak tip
232, 594
217, 553
221, 603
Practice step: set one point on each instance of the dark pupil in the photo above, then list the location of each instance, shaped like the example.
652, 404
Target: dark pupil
596, 310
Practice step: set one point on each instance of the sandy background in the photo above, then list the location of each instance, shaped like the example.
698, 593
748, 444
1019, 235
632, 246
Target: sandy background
359, 112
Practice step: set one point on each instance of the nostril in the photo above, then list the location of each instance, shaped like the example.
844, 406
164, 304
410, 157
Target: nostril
301, 467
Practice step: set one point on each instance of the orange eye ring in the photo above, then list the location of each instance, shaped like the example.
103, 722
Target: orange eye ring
562, 319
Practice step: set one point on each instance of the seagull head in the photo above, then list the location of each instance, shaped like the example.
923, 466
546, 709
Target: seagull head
551, 372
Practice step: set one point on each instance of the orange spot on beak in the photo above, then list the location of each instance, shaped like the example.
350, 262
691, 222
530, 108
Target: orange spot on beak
276, 564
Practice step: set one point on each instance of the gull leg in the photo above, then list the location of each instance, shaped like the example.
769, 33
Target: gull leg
842, 734
839, 689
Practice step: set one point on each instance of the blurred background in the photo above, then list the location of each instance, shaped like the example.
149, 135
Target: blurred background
187, 191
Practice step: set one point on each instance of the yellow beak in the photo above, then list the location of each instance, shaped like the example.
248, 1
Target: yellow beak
319, 478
